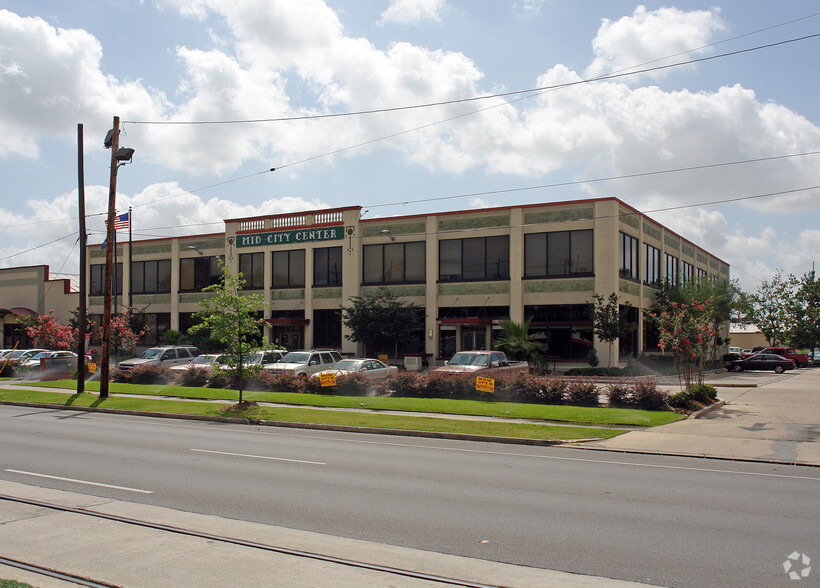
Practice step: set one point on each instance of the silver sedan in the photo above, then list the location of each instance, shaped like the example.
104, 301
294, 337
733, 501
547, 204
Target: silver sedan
370, 369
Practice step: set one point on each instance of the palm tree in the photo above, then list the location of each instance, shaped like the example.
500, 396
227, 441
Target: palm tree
519, 344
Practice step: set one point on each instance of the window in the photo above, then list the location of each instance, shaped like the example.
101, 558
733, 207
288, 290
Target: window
196, 273
671, 270
327, 266
688, 272
628, 255
252, 268
97, 285
157, 324
327, 327
702, 273
151, 276
651, 265
393, 262
288, 268
561, 253
481, 258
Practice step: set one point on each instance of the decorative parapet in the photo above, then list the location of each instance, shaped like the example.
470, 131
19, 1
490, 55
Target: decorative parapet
652, 231
481, 222
373, 230
671, 242
630, 218
628, 287
558, 216
327, 293
288, 294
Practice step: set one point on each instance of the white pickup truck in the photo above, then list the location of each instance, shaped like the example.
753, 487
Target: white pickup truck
488, 364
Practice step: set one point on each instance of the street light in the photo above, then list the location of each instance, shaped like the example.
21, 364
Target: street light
119, 157
388, 233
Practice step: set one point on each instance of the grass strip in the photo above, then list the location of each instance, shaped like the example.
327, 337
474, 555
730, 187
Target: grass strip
314, 416
545, 412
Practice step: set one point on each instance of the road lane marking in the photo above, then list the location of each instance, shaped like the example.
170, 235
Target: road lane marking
80, 481
259, 456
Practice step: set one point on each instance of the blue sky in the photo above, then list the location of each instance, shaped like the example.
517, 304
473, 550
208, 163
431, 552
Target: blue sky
209, 61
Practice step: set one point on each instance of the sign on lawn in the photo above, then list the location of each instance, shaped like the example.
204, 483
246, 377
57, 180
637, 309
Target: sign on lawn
383, 358
485, 384
327, 379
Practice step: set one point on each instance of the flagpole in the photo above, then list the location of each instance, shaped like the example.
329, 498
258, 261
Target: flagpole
130, 263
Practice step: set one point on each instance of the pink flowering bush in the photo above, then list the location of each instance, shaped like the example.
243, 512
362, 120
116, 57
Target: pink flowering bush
46, 333
686, 331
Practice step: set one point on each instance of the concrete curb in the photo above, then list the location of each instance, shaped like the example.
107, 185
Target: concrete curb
292, 425
707, 409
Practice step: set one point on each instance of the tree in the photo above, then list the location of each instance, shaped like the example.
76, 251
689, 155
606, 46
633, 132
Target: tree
47, 333
719, 298
379, 320
519, 344
229, 316
124, 338
768, 309
608, 322
686, 331
804, 309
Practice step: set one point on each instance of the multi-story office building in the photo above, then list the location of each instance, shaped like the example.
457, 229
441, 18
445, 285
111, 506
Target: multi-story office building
468, 269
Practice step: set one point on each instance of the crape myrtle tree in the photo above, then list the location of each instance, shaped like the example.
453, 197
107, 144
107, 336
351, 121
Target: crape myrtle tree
46, 333
804, 307
608, 322
719, 297
229, 316
378, 320
686, 331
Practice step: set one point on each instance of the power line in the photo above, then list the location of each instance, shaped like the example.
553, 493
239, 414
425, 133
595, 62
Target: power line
610, 76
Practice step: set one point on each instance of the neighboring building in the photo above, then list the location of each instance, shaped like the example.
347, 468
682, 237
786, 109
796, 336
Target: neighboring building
746, 336
31, 290
469, 269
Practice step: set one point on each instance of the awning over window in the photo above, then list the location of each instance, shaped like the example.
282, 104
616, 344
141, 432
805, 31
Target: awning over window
21, 312
287, 322
474, 321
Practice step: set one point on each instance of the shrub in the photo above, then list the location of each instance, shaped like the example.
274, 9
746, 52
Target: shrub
620, 394
521, 388
118, 375
346, 385
280, 382
218, 379
582, 393
703, 393
150, 374
592, 357
7, 370
680, 400
553, 390
647, 395
407, 385
194, 376
596, 371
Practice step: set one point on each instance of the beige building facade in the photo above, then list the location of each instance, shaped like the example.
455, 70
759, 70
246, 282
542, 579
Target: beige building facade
467, 269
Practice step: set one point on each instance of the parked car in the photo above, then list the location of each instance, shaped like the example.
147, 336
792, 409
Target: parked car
369, 369
489, 364
33, 362
762, 361
206, 361
168, 356
801, 359
304, 363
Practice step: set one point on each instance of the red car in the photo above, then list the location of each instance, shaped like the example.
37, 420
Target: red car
762, 361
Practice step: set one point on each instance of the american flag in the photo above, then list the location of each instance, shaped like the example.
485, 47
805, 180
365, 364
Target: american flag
120, 222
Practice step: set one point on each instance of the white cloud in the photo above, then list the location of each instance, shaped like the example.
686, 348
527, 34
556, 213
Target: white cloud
412, 11
646, 35
528, 7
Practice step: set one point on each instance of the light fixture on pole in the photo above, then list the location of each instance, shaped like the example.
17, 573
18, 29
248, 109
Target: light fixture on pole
195, 248
119, 157
388, 233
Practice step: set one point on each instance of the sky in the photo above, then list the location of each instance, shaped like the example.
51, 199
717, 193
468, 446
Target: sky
707, 118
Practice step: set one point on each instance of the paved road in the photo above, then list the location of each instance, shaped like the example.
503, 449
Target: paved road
654, 519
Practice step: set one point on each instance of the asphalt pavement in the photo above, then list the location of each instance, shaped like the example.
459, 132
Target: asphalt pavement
762, 417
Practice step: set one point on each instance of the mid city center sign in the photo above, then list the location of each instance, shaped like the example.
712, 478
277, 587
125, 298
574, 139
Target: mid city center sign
290, 237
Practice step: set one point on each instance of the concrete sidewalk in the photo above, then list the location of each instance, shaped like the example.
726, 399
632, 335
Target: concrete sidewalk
127, 555
766, 417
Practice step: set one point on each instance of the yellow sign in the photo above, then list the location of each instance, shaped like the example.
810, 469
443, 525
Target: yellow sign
327, 379
485, 384
383, 358
92, 368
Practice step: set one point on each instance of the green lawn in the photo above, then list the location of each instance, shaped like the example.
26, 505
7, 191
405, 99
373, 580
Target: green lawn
314, 416
545, 412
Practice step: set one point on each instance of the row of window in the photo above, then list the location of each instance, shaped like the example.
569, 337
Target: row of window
676, 271
556, 254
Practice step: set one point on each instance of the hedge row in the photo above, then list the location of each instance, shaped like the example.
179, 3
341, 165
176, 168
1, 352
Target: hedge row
639, 393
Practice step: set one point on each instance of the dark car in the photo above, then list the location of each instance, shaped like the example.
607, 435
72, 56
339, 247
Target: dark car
761, 361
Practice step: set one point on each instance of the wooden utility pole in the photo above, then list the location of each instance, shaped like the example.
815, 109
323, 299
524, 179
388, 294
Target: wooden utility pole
109, 260
83, 281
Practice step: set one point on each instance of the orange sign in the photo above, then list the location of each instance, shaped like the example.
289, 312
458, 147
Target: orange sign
383, 358
327, 379
92, 367
485, 384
